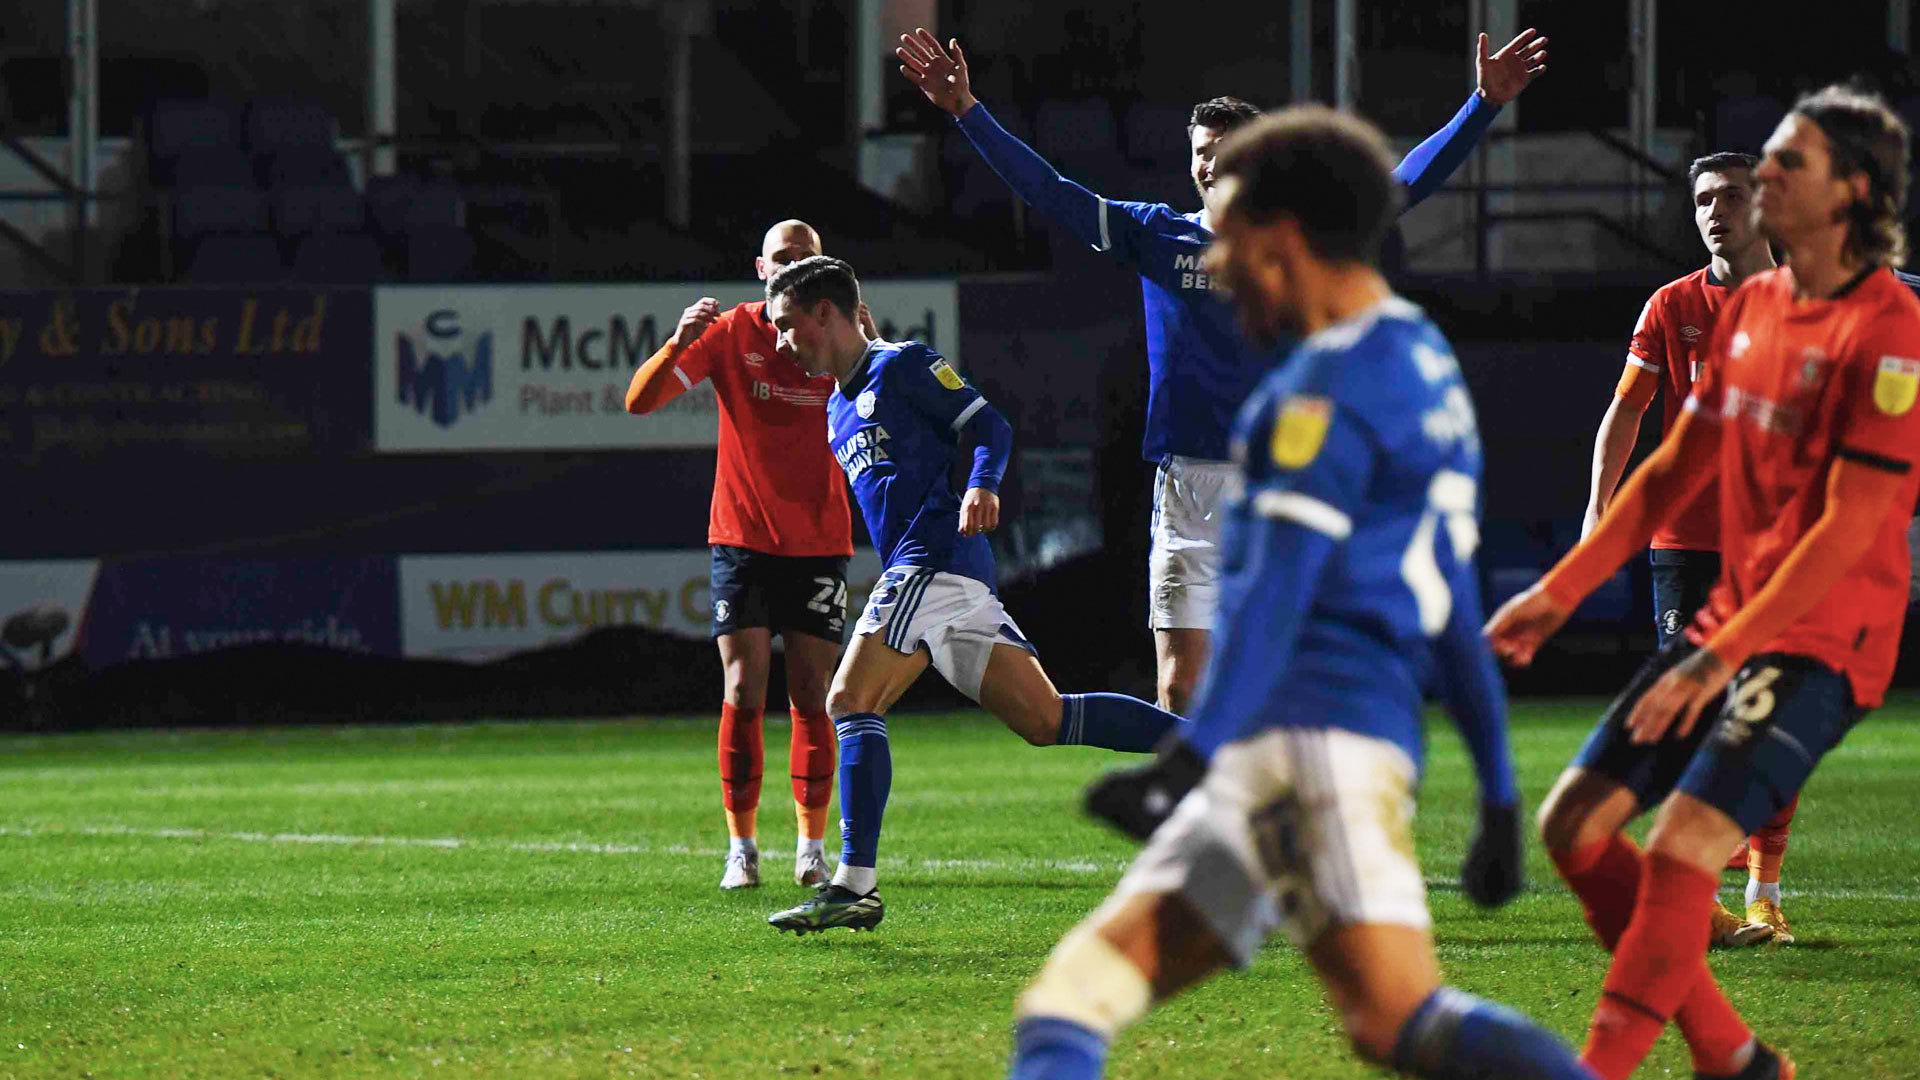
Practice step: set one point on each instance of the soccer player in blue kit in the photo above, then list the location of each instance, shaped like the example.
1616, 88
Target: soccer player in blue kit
894, 423
1199, 367
1348, 588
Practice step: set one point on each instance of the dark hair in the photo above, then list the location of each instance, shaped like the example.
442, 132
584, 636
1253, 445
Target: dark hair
1330, 171
1864, 136
816, 278
1724, 161
1222, 114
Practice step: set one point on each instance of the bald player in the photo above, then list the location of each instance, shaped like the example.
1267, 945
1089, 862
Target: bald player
781, 537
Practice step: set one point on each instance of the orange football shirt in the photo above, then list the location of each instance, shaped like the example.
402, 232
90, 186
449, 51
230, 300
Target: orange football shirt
1794, 385
776, 485
1670, 342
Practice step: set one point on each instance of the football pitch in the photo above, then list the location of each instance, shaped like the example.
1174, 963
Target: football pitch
539, 900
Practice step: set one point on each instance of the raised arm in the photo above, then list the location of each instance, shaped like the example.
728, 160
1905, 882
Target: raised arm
941, 73
676, 368
1500, 77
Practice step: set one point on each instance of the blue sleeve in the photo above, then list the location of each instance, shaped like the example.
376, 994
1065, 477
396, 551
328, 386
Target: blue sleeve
937, 392
1476, 699
1428, 165
1042, 187
1308, 469
992, 440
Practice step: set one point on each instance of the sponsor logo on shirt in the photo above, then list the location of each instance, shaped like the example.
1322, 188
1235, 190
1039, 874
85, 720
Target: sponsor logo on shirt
1192, 273
1895, 384
1770, 415
948, 377
1300, 430
862, 451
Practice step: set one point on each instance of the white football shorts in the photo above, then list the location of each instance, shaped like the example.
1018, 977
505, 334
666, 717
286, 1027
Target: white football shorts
957, 618
1183, 571
1303, 829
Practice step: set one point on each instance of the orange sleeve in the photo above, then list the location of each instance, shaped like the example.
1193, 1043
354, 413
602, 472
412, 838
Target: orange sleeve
1638, 383
672, 371
1649, 340
1659, 490
1859, 497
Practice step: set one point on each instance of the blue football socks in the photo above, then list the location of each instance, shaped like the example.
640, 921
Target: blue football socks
866, 775
1456, 1036
1114, 722
1049, 1048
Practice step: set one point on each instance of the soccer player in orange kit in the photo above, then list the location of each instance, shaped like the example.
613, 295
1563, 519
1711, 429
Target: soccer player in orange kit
1807, 400
781, 538
1668, 347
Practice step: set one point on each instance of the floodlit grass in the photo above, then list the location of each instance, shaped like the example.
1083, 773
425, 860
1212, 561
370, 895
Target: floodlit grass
533, 900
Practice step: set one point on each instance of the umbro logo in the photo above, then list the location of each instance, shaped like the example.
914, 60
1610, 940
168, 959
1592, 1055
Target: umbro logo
756, 359
1690, 332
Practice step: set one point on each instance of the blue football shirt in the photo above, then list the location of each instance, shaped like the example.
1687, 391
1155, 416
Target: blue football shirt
1365, 442
1199, 366
894, 426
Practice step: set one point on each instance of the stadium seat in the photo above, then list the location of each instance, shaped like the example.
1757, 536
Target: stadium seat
1743, 121
209, 167
396, 204
1073, 128
274, 126
438, 253
301, 210
337, 258
306, 166
177, 127
204, 210
236, 260
1157, 134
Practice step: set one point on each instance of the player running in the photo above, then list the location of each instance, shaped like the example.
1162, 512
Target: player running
1348, 584
894, 424
1199, 369
1807, 403
1669, 345
781, 538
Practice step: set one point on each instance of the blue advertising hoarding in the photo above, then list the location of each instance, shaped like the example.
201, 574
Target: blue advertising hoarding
110, 371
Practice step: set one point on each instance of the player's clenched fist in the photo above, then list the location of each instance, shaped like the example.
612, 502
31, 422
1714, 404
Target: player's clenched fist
979, 511
1524, 623
695, 320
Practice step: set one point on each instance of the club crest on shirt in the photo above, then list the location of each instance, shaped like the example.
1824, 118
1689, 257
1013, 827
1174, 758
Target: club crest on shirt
864, 404
1300, 429
1895, 385
948, 377
1739, 346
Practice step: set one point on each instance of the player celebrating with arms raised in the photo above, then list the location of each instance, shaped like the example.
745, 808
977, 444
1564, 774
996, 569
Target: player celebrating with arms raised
781, 537
1199, 367
1349, 585
898, 415
1807, 402
1668, 347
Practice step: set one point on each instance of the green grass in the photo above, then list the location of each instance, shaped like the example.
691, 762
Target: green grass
264, 904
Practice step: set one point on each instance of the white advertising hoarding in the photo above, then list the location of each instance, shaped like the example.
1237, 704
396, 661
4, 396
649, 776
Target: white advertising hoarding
546, 367
49, 585
477, 607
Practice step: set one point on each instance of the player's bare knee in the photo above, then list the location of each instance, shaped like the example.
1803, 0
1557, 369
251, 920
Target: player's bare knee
844, 700
1582, 809
1177, 685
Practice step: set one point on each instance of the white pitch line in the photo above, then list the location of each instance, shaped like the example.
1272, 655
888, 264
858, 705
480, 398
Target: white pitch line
457, 843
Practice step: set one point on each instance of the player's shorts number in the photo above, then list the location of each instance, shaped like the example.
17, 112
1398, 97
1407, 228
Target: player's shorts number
1752, 700
1450, 500
832, 596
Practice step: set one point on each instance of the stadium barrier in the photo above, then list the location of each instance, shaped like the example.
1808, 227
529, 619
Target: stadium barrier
291, 503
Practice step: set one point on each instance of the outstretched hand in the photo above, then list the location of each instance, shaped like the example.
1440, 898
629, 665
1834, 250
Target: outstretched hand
1523, 624
940, 73
1502, 75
